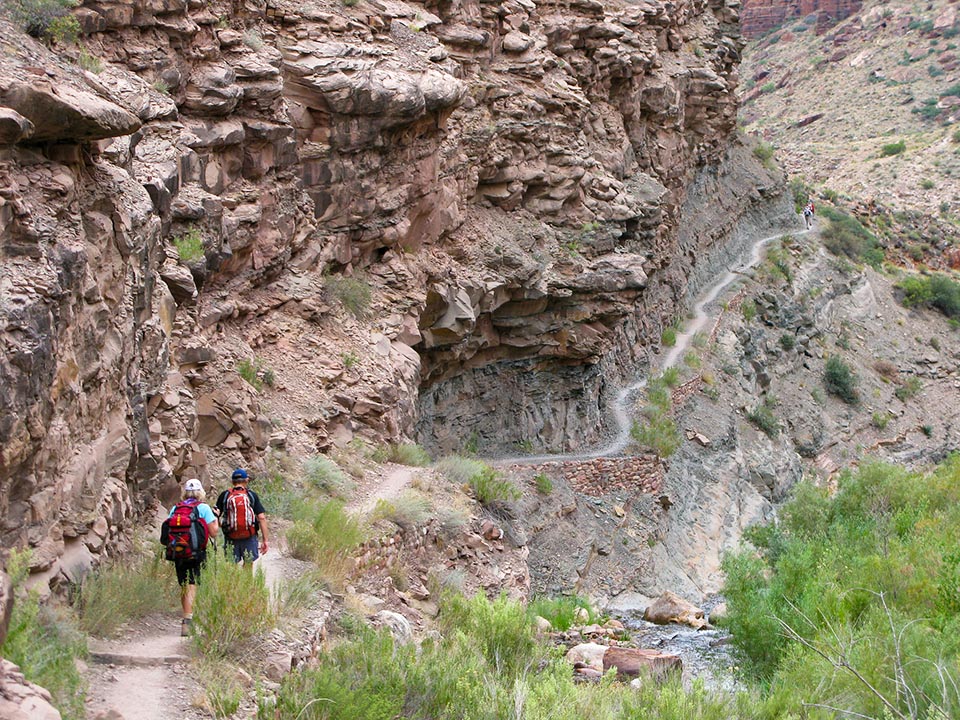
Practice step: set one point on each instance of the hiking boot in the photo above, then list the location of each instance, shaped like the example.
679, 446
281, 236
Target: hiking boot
185, 627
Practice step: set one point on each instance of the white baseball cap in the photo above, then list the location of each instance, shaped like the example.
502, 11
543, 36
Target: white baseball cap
192, 485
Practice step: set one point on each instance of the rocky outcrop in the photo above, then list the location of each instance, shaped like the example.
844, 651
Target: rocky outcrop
760, 16
22, 700
520, 188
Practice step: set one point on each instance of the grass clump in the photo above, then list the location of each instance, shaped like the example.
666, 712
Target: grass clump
763, 418
406, 510
353, 292
562, 612
44, 643
748, 308
543, 483
880, 420
840, 380
190, 245
853, 599
232, 607
668, 338
326, 535
403, 454
788, 341
764, 151
658, 431
894, 148
251, 371
222, 688
118, 592
845, 236
90, 63
323, 474
486, 484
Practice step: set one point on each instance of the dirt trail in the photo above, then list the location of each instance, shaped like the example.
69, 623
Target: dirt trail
146, 675
392, 484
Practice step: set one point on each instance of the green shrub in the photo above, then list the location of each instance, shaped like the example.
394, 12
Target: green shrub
49, 19
118, 592
916, 291
353, 292
894, 148
669, 377
748, 308
763, 418
668, 338
910, 387
927, 184
767, 87
231, 608
945, 295
326, 535
543, 484
788, 341
44, 643
840, 380
659, 433
764, 151
956, 136
852, 598
349, 359
279, 493
844, 235
562, 611
880, 420
222, 686
249, 370
692, 360
323, 474
486, 484
190, 245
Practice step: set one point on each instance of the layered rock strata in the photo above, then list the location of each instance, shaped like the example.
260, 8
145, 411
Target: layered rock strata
760, 16
522, 188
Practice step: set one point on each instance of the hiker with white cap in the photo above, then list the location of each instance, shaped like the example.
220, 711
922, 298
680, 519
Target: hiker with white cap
185, 534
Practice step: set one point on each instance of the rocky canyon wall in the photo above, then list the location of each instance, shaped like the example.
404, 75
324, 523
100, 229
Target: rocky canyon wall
760, 16
525, 190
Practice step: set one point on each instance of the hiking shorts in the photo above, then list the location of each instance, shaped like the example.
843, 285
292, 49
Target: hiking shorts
245, 550
188, 571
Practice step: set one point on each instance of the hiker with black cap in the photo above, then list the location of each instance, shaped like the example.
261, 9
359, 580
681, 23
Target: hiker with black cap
242, 517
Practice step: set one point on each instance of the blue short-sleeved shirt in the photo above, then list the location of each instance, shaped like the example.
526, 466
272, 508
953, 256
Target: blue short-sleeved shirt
203, 510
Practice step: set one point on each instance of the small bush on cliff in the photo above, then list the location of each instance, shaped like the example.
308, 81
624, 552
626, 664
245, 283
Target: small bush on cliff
323, 474
764, 151
121, 591
844, 235
894, 148
44, 643
49, 19
487, 485
190, 245
353, 292
763, 418
840, 380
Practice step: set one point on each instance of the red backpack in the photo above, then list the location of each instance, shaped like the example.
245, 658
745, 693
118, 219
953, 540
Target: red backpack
239, 521
184, 533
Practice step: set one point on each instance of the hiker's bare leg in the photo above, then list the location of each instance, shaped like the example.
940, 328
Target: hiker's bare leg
187, 593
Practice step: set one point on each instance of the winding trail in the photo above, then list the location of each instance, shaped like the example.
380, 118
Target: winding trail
620, 406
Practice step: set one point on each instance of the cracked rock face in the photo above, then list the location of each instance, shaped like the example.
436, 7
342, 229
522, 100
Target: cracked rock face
526, 187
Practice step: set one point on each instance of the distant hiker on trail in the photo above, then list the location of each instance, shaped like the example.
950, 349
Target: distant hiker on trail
808, 211
243, 516
185, 533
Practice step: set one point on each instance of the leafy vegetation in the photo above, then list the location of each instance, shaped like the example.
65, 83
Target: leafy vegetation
44, 643
90, 63
908, 389
764, 151
668, 338
406, 510
563, 612
852, 604
403, 454
353, 292
840, 380
255, 374
47, 19
936, 291
488, 664
845, 236
894, 148
190, 245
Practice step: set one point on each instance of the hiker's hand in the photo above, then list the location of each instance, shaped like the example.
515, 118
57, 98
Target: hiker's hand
263, 547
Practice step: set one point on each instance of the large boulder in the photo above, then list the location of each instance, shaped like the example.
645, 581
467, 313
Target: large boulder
22, 700
634, 662
13, 127
587, 655
671, 608
63, 113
